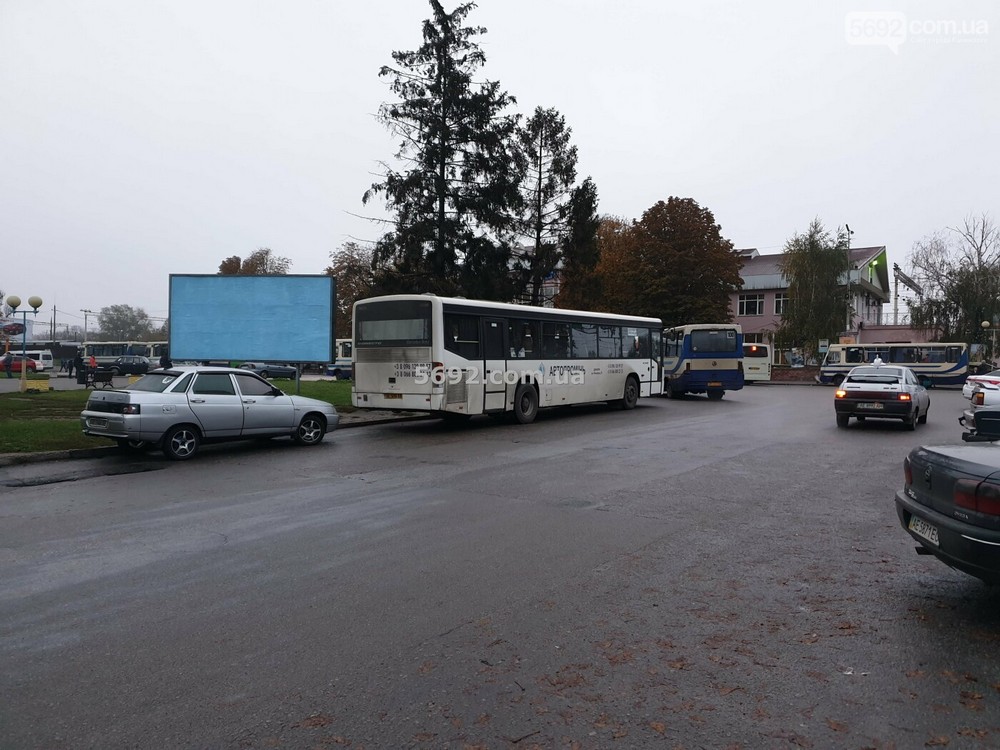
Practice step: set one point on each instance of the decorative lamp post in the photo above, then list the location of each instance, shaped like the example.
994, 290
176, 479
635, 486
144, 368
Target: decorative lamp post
986, 325
15, 302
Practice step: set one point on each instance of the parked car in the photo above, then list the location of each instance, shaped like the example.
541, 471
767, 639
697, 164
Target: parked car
992, 378
15, 365
882, 392
984, 396
270, 369
178, 409
128, 365
950, 501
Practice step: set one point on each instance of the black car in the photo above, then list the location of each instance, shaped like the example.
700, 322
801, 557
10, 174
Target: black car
950, 501
128, 365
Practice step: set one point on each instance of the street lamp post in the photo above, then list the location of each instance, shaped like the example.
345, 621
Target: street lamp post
850, 302
15, 302
993, 346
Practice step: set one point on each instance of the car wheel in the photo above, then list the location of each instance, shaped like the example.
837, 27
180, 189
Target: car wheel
911, 421
180, 443
716, 395
631, 396
115, 372
264, 373
311, 430
525, 403
843, 419
132, 446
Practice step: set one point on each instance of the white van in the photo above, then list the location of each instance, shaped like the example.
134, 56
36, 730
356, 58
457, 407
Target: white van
43, 358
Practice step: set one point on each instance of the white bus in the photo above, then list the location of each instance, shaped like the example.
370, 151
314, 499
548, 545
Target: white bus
457, 357
934, 363
756, 362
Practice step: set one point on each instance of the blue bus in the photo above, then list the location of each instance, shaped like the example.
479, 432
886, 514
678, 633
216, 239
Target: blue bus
702, 358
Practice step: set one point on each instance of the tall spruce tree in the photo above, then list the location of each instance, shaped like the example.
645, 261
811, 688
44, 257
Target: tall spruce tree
456, 201
546, 189
580, 286
815, 265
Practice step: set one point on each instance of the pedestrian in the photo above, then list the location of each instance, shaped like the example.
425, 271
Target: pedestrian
70, 365
92, 363
81, 374
165, 362
8, 363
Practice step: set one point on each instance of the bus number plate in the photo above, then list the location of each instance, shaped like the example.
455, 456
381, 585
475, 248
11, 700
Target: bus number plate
393, 395
921, 528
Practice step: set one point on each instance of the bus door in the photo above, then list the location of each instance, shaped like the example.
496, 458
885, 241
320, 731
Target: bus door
656, 386
494, 364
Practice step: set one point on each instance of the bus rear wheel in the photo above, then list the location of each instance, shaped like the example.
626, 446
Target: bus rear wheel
525, 403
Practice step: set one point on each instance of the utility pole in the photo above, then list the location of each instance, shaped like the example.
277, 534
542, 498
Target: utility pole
85, 314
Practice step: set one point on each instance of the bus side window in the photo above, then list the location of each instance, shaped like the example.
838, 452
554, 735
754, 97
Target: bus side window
609, 342
555, 340
584, 336
461, 335
522, 335
855, 355
953, 354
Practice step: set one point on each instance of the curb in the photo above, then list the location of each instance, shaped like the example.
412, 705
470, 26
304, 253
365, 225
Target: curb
20, 459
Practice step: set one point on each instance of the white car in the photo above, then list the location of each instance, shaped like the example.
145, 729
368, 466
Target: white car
985, 394
992, 378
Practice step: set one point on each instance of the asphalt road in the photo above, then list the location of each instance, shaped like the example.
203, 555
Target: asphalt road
689, 574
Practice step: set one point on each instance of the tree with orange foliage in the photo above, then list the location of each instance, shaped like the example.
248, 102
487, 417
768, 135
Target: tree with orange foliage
673, 264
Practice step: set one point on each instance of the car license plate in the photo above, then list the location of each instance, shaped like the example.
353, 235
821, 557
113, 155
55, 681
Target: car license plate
870, 405
393, 395
921, 528
715, 384
97, 422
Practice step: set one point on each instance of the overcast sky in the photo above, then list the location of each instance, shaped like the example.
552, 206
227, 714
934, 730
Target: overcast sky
140, 138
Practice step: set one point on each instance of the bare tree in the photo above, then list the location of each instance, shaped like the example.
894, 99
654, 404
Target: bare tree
959, 269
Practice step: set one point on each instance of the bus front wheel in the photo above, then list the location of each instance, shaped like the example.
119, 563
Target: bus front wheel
838, 379
525, 403
631, 396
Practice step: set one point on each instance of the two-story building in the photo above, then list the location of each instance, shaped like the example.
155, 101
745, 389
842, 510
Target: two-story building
759, 305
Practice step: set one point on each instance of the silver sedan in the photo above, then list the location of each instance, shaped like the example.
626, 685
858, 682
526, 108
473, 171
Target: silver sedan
178, 409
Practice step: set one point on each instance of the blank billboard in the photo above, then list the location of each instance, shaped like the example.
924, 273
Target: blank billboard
266, 318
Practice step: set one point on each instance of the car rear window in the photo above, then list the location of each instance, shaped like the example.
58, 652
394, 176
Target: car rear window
874, 376
154, 383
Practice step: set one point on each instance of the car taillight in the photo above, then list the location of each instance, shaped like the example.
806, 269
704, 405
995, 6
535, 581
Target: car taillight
130, 409
907, 472
982, 497
841, 393
904, 397
978, 398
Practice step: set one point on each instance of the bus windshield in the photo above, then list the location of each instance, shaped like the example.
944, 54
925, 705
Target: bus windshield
713, 340
394, 323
